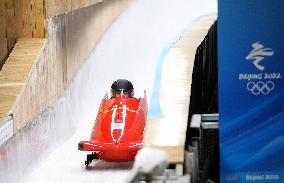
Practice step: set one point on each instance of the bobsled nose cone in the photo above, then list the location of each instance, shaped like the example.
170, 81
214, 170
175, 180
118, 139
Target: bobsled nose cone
80, 146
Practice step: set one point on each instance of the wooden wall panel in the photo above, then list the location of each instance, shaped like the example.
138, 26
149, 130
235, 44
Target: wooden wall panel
3, 38
7, 29
11, 24
16, 73
3, 51
58, 7
20, 18
44, 87
30, 21
70, 40
3, 20
8, 97
27, 18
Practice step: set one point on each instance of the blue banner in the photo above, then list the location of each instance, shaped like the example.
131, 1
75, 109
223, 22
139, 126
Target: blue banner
251, 90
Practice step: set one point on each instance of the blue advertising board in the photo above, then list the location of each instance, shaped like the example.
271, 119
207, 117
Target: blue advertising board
251, 90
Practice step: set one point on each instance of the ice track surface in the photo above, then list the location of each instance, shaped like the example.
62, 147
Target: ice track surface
129, 49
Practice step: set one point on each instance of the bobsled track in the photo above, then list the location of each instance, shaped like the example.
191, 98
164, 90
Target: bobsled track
47, 150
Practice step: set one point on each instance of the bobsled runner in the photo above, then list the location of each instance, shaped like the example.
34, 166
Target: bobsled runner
118, 130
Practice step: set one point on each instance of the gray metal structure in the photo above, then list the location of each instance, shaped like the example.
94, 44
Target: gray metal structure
196, 154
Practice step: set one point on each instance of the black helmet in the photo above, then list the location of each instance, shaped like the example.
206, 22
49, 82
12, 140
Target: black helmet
122, 87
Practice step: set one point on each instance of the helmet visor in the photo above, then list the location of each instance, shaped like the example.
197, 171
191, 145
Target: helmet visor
120, 93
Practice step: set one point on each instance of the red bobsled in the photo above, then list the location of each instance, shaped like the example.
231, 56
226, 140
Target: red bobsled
118, 131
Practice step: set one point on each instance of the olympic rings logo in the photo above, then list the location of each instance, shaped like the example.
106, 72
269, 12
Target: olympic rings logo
260, 87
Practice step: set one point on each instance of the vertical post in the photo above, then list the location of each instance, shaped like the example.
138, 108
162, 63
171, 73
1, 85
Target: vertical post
251, 90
